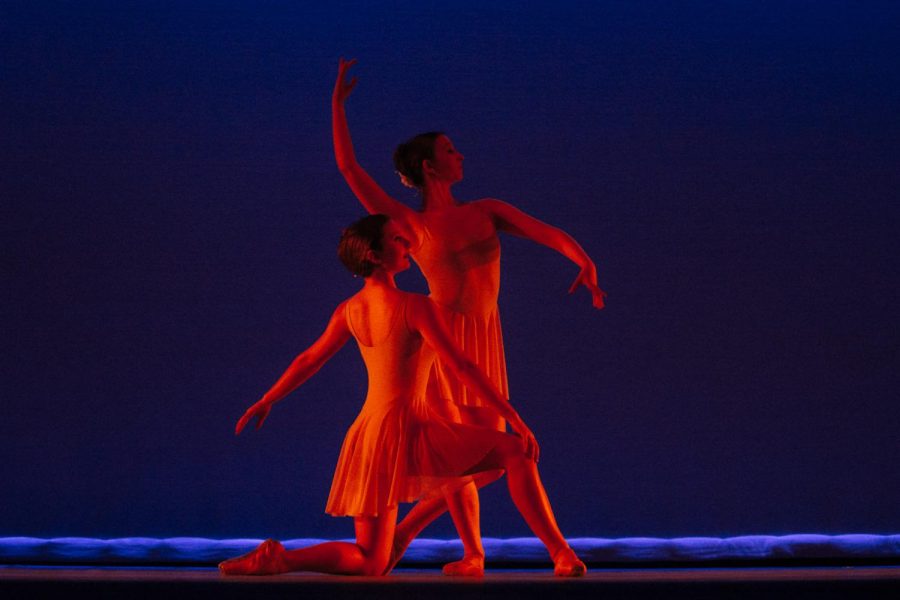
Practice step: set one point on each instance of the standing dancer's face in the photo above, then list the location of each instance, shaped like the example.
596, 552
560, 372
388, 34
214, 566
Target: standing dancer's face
447, 164
394, 254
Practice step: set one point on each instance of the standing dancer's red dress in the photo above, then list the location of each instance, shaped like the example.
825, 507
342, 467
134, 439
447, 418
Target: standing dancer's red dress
459, 252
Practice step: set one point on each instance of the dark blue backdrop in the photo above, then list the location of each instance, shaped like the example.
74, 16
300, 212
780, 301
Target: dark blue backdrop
171, 209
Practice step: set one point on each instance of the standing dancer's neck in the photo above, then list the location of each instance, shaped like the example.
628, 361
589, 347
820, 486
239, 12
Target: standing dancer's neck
437, 194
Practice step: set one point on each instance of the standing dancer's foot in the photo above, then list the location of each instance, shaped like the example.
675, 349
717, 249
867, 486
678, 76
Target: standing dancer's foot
266, 559
469, 566
567, 564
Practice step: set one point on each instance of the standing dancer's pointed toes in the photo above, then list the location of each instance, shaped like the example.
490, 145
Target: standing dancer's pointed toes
567, 564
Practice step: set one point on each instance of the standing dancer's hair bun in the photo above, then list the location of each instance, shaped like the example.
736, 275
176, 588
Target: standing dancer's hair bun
409, 155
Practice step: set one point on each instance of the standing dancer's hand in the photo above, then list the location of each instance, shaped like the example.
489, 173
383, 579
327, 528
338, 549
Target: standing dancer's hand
342, 87
529, 442
260, 409
588, 278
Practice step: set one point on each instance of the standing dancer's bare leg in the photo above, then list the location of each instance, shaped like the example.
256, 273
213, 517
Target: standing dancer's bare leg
465, 509
426, 511
464, 505
527, 493
529, 496
466, 514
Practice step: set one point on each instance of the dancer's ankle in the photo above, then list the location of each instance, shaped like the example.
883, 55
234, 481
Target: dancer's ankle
265, 559
471, 565
398, 548
556, 549
567, 564
401, 538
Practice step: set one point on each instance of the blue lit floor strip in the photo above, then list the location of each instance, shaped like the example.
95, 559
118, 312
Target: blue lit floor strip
138, 550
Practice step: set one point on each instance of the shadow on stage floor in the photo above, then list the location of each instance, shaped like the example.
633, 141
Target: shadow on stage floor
408, 584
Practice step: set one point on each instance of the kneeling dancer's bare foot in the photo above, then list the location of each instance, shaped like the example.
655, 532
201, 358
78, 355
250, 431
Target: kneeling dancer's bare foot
469, 566
266, 559
567, 564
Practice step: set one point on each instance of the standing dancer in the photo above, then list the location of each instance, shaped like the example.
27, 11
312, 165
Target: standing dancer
457, 248
399, 449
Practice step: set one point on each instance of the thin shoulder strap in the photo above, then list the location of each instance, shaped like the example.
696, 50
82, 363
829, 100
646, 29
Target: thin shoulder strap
349, 320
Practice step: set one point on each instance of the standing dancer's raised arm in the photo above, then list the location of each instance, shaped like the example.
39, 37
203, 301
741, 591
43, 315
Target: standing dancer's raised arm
370, 194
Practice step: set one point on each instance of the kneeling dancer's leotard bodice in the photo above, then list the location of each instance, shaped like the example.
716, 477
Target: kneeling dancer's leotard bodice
399, 449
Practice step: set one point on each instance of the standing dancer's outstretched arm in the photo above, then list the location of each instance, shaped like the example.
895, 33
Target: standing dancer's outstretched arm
510, 219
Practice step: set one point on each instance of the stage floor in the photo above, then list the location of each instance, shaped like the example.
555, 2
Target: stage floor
748, 582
